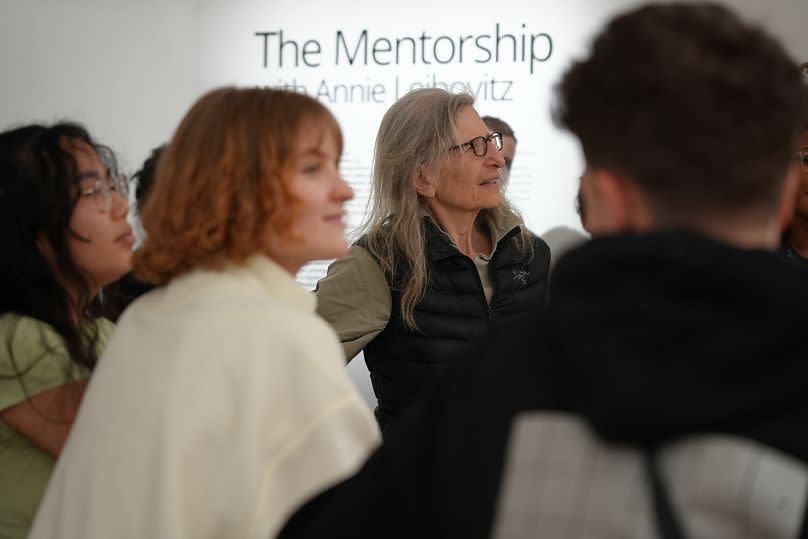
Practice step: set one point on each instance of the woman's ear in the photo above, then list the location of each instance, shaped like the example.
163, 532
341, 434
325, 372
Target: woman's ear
425, 182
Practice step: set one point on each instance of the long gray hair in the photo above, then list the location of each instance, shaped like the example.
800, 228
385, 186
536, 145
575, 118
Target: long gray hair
417, 131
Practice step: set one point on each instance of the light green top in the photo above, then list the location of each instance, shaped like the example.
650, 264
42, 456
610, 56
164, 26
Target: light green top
33, 359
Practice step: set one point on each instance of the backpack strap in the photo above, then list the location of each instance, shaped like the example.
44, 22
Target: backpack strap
804, 526
667, 523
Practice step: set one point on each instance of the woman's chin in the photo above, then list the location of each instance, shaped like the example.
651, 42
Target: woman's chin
337, 249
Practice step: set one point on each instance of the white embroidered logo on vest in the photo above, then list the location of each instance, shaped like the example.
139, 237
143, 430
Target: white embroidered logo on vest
520, 275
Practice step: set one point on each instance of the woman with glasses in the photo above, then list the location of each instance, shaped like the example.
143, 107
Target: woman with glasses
221, 403
64, 236
444, 258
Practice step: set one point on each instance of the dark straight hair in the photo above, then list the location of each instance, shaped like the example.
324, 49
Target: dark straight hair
38, 193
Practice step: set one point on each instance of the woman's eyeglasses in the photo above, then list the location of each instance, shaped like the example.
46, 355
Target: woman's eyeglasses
802, 157
479, 145
101, 190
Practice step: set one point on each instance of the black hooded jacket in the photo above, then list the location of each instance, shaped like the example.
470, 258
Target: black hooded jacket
648, 338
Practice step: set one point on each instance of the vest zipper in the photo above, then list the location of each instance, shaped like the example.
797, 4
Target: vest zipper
486, 304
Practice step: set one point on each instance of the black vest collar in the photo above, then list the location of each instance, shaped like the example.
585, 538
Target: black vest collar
440, 246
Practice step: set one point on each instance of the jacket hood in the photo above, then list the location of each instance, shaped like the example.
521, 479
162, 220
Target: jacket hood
670, 333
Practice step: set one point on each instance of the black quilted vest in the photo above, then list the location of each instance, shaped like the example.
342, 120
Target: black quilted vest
451, 315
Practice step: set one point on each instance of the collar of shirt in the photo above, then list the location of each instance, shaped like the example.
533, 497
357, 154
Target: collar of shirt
277, 281
499, 223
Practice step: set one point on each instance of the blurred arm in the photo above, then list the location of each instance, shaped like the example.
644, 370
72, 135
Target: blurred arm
354, 299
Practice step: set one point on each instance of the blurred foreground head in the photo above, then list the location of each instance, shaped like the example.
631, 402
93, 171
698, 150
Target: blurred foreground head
688, 117
249, 171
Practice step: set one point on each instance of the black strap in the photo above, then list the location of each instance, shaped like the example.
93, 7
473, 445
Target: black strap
804, 527
668, 526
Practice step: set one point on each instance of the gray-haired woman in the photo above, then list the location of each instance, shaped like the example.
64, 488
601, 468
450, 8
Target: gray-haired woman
444, 258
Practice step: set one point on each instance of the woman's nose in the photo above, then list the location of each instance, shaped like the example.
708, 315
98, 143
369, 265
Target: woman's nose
495, 155
120, 206
343, 190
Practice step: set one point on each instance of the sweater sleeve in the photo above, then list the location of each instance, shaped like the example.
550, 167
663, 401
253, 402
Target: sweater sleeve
354, 299
316, 430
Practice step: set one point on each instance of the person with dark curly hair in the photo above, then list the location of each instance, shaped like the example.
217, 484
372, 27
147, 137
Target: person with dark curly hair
146, 175
64, 237
664, 392
129, 288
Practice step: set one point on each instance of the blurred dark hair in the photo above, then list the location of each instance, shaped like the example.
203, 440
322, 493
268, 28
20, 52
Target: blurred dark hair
128, 288
39, 188
697, 108
495, 124
145, 176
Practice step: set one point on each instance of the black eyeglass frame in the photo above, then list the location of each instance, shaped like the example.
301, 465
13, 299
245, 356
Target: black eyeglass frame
495, 137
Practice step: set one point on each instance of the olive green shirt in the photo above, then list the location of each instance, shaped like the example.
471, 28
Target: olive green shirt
354, 296
33, 359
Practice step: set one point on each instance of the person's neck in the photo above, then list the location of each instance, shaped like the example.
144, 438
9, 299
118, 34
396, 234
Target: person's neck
747, 239
466, 232
76, 302
745, 232
797, 235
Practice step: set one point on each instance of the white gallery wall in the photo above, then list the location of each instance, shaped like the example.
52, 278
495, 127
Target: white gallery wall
129, 69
